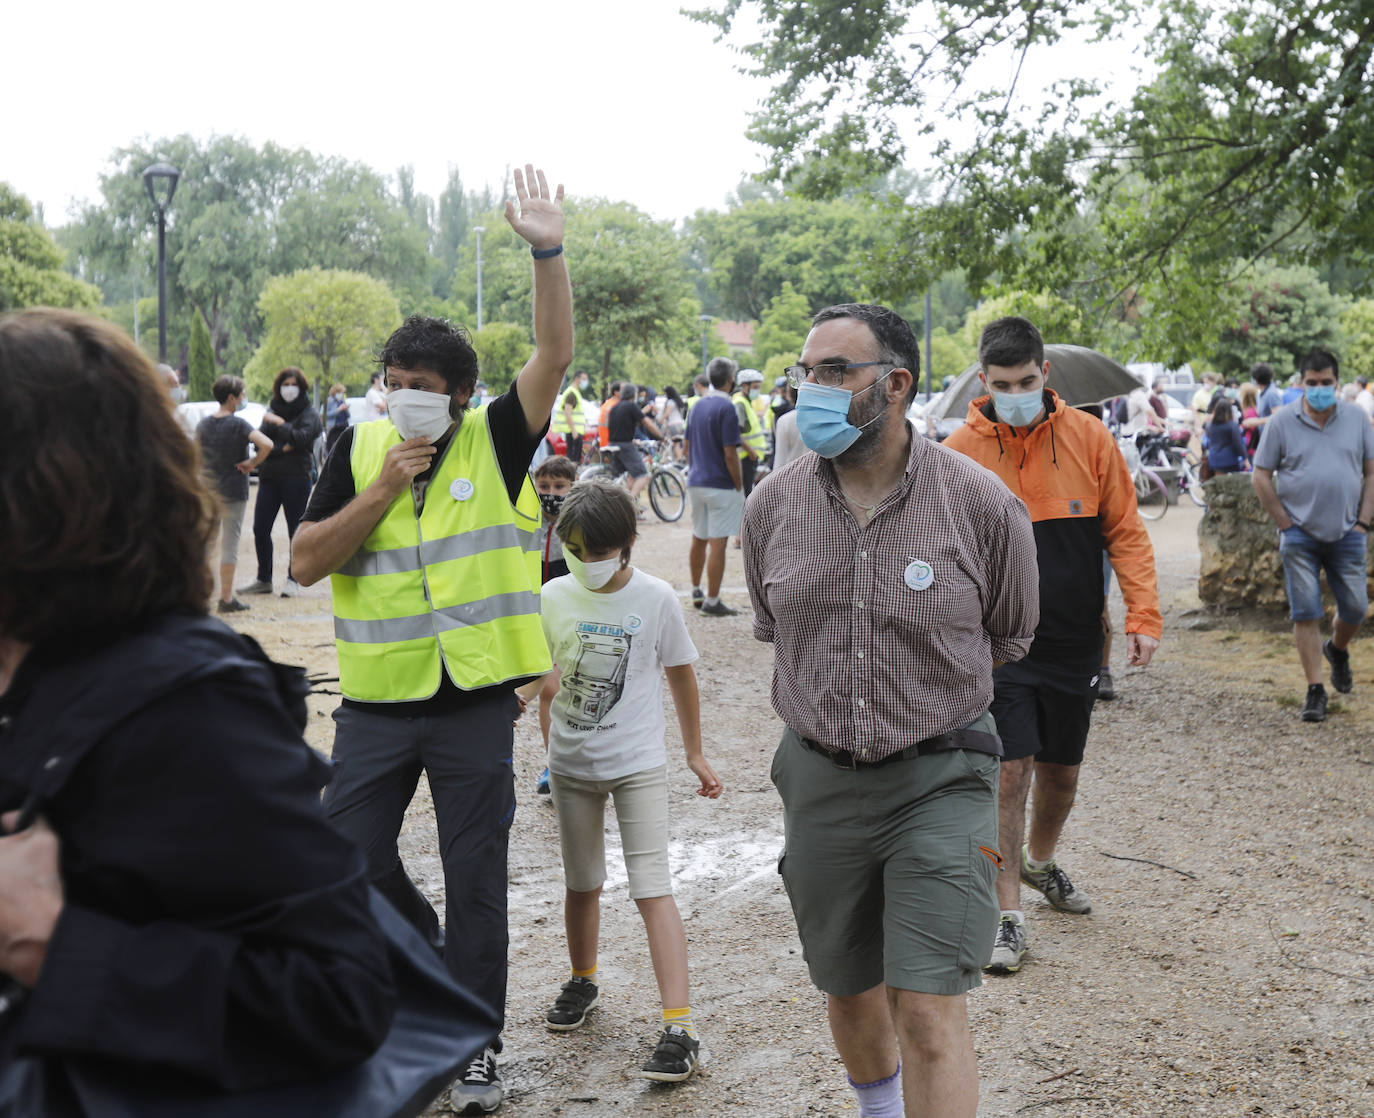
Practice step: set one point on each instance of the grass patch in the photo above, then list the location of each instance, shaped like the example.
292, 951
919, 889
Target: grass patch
1231, 636
1288, 702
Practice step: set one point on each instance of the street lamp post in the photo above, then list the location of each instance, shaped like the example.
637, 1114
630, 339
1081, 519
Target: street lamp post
161, 181
479, 230
705, 320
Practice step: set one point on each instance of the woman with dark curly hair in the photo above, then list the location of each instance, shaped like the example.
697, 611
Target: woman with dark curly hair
172, 899
293, 425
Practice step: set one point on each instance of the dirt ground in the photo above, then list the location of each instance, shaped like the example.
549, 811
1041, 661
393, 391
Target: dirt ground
1227, 967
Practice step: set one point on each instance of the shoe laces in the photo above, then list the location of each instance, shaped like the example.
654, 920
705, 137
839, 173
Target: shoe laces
478, 1067
1006, 933
1058, 880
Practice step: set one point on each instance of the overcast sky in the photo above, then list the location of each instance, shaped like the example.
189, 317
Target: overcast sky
624, 99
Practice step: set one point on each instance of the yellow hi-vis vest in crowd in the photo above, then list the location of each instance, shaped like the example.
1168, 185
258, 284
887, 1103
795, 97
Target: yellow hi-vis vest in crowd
560, 417
455, 585
751, 436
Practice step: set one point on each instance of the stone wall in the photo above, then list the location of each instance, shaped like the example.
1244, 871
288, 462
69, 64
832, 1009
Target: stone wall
1240, 567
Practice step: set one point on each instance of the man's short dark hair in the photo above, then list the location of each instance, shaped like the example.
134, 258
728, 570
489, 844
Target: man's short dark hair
896, 340
721, 371
1319, 359
227, 386
628, 391
435, 344
1262, 373
1009, 342
701, 380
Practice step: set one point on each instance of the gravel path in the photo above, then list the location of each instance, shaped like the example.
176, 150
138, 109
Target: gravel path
1233, 977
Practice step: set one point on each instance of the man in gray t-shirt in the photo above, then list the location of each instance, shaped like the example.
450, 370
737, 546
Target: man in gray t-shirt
1323, 452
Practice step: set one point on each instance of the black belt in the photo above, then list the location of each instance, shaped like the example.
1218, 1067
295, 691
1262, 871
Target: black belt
967, 738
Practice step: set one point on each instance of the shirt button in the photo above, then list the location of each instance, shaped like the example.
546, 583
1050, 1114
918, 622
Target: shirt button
863, 555
861, 702
860, 655
861, 605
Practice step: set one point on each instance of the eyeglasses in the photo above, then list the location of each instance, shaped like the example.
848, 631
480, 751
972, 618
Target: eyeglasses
830, 375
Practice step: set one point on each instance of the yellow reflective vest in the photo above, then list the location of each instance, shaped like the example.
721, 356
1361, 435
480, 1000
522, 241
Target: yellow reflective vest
560, 416
752, 436
451, 585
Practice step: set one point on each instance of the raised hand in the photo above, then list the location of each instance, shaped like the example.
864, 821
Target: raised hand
539, 216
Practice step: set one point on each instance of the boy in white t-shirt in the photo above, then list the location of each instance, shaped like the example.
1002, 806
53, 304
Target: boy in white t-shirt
612, 630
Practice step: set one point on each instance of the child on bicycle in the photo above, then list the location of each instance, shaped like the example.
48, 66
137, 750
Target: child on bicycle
553, 477
612, 629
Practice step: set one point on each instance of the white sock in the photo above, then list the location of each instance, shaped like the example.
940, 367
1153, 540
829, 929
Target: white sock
712, 601
880, 1099
1032, 864
1015, 913
696, 590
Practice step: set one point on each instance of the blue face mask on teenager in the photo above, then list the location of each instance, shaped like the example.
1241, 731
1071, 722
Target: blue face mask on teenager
823, 417
1018, 409
1320, 396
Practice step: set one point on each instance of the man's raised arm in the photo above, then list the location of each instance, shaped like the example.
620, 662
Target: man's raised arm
539, 220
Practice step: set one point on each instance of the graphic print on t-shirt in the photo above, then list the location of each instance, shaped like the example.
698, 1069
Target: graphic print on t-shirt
598, 677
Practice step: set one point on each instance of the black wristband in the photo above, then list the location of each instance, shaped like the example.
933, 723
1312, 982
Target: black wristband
1362, 524
546, 253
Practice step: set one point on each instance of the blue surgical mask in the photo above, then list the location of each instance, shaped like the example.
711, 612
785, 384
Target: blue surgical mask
823, 417
1018, 409
1320, 396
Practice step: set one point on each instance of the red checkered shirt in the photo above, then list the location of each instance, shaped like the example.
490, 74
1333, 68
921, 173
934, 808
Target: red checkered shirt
886, 635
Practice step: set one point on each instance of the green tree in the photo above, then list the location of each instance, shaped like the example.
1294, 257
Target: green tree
502, 350
784, 325
200, 359
1357, 329
31, 262
1253, 136
327, 322
1278, 315
1058, 319
660, 366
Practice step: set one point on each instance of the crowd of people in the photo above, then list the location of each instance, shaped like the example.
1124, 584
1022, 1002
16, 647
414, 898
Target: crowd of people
935, 614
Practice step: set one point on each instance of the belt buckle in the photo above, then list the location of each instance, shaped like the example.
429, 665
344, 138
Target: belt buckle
844, 759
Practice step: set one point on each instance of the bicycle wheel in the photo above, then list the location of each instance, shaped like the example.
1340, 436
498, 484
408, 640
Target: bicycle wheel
1190, 481
1151, 497
586, 473
667, 495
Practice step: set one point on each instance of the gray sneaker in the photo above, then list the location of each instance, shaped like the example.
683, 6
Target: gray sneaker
720, 609
1055, 884
1008, 948
479, 1089
256, 587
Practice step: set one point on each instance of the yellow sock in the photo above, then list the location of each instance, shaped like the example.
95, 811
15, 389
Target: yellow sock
682, 1018
585, 973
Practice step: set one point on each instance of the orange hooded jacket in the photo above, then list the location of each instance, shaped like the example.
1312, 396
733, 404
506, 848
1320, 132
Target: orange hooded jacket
1074, 482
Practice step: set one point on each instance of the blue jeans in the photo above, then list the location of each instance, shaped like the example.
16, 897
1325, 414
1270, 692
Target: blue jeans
1343, 560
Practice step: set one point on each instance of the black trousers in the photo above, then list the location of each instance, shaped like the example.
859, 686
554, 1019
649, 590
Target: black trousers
466, 757
288, 495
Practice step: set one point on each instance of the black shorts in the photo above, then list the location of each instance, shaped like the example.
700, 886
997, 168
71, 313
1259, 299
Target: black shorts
629, 459
1043, 712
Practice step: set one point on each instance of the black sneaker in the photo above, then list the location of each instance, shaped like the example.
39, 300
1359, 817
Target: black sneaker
697, 597
720, 609
479, 1089
233, 605
1342, 679
571, 1007
675, 1057
1106, 690
1314, 710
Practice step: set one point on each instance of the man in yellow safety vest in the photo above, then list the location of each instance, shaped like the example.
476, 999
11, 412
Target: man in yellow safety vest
753, 438
569, 419
426, 523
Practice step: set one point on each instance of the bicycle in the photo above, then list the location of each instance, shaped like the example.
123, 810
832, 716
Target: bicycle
667, 486
1159, 453
1151, 494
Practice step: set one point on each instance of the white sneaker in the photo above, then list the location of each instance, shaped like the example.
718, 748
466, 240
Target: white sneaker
1055, 884
1009, 947
291, 589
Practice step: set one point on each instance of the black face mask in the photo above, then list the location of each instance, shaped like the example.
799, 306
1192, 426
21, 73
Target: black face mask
552, 504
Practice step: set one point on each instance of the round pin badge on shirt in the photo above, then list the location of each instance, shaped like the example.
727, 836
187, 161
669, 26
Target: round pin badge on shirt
632, 623
918, 575
461, 489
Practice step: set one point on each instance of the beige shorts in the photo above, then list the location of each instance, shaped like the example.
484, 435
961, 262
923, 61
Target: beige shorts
716, 513
231, 526
641, 808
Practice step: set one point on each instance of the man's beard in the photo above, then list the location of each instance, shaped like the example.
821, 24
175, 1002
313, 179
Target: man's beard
866, 447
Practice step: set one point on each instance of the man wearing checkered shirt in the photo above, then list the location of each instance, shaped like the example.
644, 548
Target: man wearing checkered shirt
891, 576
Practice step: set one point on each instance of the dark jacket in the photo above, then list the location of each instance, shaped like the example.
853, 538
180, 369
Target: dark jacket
299, 432
214, 923
1226, 446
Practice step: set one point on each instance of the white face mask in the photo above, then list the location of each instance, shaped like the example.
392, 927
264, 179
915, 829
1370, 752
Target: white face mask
419, 415
592, 575
289, 392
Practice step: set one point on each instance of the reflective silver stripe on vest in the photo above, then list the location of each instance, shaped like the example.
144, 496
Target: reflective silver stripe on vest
394, 630
399, 560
